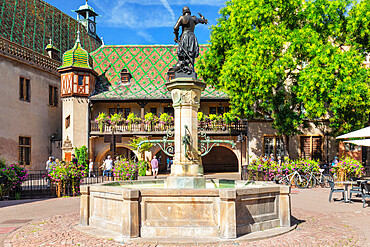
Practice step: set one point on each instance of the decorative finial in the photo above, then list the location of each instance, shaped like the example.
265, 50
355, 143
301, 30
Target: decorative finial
102, 41
50, 41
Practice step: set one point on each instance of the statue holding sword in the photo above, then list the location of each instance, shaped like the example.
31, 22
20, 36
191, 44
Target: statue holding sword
188, 48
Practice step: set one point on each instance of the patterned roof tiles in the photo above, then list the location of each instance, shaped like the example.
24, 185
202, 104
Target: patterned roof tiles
77, 57
31, 23
148, 65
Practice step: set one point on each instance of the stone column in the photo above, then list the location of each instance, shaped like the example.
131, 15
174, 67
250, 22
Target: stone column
284, 206
187, 169
85, 205
130, 224
228, 214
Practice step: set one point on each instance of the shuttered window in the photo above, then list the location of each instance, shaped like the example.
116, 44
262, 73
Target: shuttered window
24, 89
311, 147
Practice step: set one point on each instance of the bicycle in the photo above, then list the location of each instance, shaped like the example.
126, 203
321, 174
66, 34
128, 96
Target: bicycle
301, 181
318, 178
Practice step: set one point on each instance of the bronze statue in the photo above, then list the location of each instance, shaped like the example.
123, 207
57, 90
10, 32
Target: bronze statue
188, 48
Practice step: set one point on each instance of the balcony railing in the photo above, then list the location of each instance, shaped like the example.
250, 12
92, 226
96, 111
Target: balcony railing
160, 128
28, 56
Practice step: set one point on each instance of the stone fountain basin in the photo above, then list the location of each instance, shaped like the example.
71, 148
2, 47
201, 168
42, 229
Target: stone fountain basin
225, 209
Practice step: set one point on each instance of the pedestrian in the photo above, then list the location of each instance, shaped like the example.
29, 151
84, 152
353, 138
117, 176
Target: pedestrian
49, 166
168, 163
335, 161
279, 161
107, 166
272, 158
91, 168
154, 164
74, 159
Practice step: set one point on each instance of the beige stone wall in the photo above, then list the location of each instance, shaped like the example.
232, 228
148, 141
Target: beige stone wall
77, 109
35, 119
259, 129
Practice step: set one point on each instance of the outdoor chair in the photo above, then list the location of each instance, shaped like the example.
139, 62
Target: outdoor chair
332, 190
356, 188
365, 192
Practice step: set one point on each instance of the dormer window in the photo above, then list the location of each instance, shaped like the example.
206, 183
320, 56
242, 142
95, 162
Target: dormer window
125, 76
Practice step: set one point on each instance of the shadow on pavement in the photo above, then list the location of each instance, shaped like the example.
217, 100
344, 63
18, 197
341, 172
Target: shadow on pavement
9, 203
295, 221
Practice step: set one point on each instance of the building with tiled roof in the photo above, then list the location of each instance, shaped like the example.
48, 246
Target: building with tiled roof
31, 24
33, 37
148, 65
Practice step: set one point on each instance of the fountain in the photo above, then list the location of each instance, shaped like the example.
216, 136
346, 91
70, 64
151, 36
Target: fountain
184, 205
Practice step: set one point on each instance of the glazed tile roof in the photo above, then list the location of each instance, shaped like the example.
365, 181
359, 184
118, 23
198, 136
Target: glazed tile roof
77, 57
148, 65
31, 23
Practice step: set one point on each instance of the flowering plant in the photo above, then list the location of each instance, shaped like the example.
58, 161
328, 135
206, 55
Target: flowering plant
128, 169
64, 174
347, 167
101, 120
267, 170
116, 119
11, 178
150, 119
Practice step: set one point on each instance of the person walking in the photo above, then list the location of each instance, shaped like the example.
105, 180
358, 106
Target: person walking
107, 167
91, 169
154, 164
49, 166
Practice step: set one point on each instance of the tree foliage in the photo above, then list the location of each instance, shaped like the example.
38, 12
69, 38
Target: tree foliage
292, 60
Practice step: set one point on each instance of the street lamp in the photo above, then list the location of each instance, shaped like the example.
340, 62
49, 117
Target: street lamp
327, 135
241, 139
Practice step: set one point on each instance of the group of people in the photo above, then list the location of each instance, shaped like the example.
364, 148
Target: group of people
272, 158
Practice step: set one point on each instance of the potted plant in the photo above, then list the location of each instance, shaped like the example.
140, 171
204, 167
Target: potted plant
132, 119
116, 119
101, 120
166, 121
150, 119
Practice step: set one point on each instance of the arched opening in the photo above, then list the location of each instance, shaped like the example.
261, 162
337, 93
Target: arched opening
163, 162
220, 159
125, 153
120, 151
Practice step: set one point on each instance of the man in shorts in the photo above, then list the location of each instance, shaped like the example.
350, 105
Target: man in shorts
154, 164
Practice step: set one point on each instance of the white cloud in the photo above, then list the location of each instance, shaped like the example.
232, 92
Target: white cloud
144, 13
145, 35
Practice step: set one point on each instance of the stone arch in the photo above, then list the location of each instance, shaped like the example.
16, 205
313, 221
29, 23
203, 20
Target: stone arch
106, 150
221, 158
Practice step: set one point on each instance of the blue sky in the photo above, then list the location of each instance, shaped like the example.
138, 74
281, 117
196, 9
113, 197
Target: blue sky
144, 21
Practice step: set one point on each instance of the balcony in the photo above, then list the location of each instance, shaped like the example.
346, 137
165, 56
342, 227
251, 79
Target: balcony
161, 129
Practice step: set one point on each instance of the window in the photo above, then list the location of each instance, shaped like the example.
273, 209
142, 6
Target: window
352, 147
24, 89
311, 147
68, 121
80, 80
127, 112
218, 110
115, 110
24, 150
53, 96
273, 145
168, 110
153, 110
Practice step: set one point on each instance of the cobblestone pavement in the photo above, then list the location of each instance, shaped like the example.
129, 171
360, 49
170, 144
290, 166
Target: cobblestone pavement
319, 224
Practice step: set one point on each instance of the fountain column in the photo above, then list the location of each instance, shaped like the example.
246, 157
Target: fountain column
187, 169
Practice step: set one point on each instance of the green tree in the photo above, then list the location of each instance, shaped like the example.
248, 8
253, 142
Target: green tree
134, 143
284, 60
82, 157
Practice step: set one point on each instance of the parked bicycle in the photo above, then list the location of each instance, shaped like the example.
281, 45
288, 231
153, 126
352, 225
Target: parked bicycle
319, 178
301, 181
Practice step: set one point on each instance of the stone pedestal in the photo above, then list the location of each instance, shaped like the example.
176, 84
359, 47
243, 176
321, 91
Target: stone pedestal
187, 164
